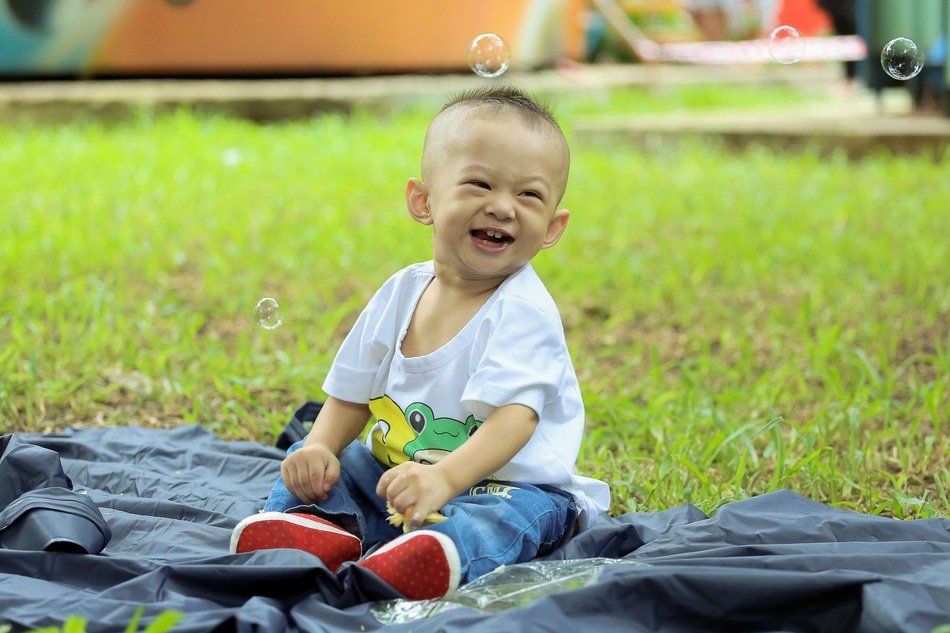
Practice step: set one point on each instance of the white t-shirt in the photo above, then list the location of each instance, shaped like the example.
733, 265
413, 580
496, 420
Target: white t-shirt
511, 352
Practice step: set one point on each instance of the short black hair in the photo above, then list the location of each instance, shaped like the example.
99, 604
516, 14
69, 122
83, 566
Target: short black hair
505, 98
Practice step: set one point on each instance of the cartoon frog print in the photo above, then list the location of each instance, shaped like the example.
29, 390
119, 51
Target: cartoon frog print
415, 434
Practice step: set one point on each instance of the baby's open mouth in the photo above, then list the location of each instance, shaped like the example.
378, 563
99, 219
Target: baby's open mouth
492, 236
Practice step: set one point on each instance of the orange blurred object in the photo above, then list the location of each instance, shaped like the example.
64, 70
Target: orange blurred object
332, 36
806, 16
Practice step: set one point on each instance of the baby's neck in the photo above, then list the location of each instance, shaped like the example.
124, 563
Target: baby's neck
443, 310
456, 287
464, 291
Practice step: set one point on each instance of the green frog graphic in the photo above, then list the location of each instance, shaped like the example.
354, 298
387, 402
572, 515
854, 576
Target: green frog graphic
415, 434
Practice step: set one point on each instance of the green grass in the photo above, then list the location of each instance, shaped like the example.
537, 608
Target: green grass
739, 322
164, 621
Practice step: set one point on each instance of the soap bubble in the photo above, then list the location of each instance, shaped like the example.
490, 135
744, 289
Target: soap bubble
231, 157
267, 312
489, 55
901, 59
786, 44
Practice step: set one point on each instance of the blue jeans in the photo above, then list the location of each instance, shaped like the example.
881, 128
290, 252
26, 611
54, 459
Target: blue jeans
493, 524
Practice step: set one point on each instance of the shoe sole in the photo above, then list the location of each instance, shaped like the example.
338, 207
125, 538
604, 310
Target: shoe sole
275, 530
447, 548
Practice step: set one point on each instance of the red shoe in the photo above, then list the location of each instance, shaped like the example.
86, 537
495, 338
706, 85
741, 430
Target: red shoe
272, 530
421, 565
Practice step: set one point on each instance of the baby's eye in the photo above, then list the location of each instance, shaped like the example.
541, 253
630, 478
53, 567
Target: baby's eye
532, 194
481, 184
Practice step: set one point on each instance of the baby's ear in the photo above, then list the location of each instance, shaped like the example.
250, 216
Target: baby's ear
417, 201
556, 228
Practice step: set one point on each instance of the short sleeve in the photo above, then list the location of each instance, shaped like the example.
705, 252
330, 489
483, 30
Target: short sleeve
365, 347
522, 360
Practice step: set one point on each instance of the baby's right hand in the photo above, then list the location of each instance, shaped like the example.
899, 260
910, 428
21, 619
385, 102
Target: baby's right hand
310, 472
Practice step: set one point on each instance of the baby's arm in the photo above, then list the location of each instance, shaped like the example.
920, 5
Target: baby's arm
313, 469
426, 488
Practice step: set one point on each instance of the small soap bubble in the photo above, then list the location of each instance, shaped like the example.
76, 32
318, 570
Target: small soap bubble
231, 157
901, 59
489, 55
786, 44
267, 312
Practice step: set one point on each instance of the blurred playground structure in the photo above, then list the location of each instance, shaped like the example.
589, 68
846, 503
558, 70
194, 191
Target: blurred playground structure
250, 38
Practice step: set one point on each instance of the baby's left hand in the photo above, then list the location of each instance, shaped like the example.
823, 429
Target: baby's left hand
415, 490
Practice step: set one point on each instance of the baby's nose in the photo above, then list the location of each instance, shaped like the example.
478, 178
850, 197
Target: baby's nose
501, 207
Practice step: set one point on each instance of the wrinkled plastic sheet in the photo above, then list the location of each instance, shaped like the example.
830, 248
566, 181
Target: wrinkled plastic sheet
508, 587
776, 562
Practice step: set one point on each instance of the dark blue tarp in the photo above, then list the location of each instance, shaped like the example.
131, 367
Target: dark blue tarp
777, 562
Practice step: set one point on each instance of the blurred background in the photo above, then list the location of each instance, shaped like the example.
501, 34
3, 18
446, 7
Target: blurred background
247, 38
